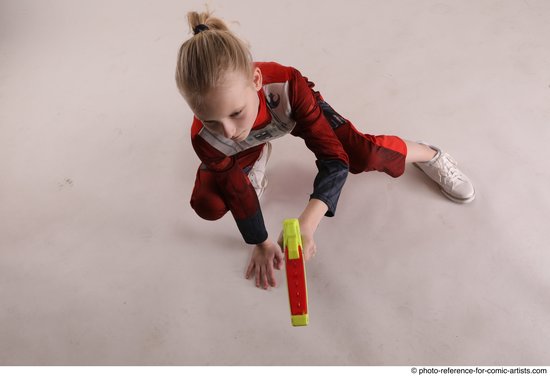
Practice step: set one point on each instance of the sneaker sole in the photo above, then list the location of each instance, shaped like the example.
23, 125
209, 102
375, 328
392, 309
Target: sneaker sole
458, 200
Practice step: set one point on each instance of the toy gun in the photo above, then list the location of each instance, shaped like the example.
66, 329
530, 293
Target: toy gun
295, 272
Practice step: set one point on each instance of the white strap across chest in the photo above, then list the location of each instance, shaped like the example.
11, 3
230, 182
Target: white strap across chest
278, 103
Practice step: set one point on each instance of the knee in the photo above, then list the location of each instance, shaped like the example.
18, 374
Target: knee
209, 209
362, 162
208, 213
382, 160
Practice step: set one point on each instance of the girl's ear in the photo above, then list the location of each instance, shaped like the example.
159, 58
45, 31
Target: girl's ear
257, 79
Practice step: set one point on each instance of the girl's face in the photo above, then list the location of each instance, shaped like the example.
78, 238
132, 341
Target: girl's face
231, 108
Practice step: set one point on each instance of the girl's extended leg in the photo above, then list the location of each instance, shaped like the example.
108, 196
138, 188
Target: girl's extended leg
389, 154
418, 152
384, 153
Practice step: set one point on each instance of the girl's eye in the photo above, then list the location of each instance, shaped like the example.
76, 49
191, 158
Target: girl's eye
211, 126
237, 113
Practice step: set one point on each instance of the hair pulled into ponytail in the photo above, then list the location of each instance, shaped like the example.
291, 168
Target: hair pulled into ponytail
204, 58
205, 18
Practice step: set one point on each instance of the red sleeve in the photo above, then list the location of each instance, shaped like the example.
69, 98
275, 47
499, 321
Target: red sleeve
234, 187
312, 125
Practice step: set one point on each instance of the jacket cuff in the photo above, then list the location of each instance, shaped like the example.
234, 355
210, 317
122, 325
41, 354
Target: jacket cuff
253, 228
329, 182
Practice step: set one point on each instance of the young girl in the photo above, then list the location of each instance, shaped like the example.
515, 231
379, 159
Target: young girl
241, 105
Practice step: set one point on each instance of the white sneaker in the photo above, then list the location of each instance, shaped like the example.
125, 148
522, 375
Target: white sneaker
443, 170
257, 173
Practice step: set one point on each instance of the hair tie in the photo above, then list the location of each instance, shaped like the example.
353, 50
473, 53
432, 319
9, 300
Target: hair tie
200, 27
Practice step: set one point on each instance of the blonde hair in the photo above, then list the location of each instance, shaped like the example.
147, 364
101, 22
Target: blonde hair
204, 59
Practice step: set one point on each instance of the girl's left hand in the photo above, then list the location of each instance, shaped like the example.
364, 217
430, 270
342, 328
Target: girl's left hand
309, 248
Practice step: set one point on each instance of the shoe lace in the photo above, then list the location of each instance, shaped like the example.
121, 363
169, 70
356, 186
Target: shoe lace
449, 172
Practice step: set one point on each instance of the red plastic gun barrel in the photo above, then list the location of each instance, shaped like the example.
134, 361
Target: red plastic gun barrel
295, 272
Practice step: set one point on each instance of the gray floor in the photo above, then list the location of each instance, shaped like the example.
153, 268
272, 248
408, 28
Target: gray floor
103, 261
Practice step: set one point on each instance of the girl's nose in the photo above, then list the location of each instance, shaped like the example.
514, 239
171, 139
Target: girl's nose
228, 129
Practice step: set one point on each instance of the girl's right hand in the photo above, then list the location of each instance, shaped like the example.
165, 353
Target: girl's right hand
265, 256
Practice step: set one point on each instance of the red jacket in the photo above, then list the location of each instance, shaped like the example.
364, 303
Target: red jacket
287, 105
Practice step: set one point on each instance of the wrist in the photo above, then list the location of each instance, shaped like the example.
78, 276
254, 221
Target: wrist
264, 244
312, 215
307, 226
